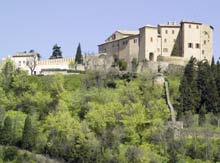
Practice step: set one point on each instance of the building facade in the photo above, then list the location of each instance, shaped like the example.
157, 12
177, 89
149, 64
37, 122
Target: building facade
173, 42
32, 62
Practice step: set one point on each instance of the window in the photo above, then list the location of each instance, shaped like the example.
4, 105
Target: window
203, 51
165, 50
204, 42
166, 31
190, 25
165, 40
125, 42
197, 27
197, 46
151, 56
24, 62
135, 41
173, 31
151, 39
190, 45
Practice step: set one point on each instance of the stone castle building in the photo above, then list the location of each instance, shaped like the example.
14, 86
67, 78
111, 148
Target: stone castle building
162, 45
174, 43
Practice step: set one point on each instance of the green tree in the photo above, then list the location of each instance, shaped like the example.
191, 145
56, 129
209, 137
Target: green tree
134, 63
57, 53
72, 65
7, 74
29, 134
189, 95
217, 80
207, 87
79, 57
122, 65
7, 132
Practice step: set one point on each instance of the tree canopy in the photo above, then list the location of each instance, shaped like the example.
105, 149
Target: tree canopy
57, 53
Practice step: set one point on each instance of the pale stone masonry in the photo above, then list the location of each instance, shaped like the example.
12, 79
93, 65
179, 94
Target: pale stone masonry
172, 42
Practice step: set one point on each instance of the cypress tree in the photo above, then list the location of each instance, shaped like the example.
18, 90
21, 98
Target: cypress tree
207, 87
189, 95
7, 132
213, 67
79, 57
28, 137
217, 79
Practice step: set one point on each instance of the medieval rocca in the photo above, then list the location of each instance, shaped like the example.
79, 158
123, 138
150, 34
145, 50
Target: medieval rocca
161, 45
174, 43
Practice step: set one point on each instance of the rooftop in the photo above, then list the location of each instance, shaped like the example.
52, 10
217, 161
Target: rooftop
127, 32
25, 54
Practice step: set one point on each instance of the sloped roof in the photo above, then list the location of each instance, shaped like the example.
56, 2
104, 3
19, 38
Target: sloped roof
127, 32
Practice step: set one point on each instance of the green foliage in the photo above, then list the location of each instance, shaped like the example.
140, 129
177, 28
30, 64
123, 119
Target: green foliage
189, 95
134, 63
29, 134
72, 65
80, 118
8, 69
79, 57
122, 65
17, 119
57, 53
6, 136
10, 154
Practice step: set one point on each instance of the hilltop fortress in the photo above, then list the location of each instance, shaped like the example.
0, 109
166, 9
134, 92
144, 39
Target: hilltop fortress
174, 43
150, 47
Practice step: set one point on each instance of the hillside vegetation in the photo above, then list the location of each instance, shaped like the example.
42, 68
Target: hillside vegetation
99, 118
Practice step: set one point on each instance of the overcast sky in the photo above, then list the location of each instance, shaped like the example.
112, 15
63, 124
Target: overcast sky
39, 24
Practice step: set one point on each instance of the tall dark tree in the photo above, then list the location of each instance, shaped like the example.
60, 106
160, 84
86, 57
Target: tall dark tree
213, 67
6, 136
7, 70
57, 53
207, 87
218, 78
189, 98
79, 57
28, 137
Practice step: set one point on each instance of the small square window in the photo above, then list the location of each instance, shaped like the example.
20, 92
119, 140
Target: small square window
135, 41
173, 32
190, 45
197, 27
151, 39
166, 31
197, 46
165, 40
204, 42
190, 26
